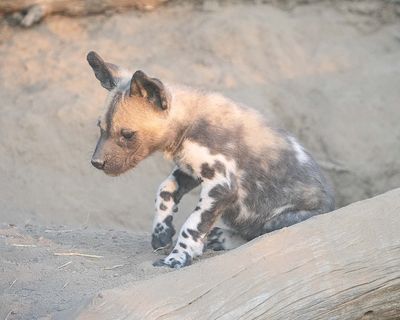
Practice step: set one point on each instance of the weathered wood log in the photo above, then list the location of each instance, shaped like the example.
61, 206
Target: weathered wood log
34, 10
341, 265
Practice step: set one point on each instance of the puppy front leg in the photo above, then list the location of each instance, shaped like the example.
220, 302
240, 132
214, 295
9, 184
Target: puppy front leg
213, 199
169, 194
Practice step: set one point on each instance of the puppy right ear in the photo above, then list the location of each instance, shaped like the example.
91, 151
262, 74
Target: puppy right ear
151, 89
107, 73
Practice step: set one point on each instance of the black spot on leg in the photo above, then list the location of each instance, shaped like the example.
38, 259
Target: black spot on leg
208, 218
184, 234
165, 195
220, 167
168, 221
194, 233
175, 251
182, 245
197, 208
224, 196
188, 259
185, 184
206, 171
163, 207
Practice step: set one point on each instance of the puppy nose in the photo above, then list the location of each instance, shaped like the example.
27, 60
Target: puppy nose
97, 163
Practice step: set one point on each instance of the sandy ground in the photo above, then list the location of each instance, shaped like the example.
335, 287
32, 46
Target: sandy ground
40, 279
36, 282
327, 74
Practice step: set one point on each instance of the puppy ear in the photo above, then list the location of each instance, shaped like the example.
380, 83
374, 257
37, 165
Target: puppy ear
107, 73
151, 89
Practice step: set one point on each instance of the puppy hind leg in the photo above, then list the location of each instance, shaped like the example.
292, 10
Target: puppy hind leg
223, 239
287, 219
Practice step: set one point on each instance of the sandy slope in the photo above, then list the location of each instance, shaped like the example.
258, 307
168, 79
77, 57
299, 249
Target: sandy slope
329, 76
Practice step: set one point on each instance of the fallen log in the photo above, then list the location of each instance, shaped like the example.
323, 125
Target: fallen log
32, 11
341, 265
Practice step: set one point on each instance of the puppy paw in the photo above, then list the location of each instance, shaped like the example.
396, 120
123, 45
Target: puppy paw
162, 234
214, 240
175, 260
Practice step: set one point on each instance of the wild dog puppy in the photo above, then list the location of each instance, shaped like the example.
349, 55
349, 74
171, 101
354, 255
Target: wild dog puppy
256, 178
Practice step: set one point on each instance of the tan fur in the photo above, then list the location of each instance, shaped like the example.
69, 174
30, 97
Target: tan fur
221, 112
158, 130
137, 114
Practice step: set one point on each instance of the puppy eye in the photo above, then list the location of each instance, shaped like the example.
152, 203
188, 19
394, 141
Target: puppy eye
127, 134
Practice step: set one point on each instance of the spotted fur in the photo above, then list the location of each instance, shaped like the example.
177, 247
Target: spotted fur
254, 177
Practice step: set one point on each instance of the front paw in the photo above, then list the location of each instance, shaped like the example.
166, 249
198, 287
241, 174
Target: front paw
175, 260
162, 234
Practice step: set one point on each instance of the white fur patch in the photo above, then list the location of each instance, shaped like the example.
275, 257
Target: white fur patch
196, 155
301, 156
279, 210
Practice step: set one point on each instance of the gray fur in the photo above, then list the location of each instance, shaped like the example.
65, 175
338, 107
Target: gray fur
223, 239
285, 182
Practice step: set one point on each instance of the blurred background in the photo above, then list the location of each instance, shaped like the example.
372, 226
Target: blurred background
328, 71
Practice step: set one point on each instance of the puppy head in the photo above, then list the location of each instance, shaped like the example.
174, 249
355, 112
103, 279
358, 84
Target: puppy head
135, 122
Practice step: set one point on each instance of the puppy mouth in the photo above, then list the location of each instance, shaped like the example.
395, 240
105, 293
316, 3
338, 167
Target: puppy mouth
112, 174
115, 168
115, 172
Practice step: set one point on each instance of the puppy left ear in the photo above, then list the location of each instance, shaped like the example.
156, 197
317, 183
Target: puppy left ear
108, 74
151, 89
